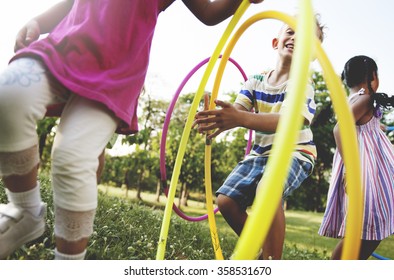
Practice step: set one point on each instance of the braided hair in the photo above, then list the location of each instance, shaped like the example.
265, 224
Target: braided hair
384, 100
360, 69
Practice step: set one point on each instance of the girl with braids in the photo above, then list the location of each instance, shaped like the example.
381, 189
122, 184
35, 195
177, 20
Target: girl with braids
360, 75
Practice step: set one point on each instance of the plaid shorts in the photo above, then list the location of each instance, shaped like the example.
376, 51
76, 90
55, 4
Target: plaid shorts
242, 182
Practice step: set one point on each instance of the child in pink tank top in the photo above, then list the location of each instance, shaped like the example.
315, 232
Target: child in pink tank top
90, 70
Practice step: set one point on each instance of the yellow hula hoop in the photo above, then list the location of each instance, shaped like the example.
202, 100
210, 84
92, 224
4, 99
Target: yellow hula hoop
351, 157
266, 202
209, 201
186, 132
257, 225
208, 192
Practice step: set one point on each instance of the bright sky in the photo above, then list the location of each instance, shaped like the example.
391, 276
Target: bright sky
353, 28
181, 41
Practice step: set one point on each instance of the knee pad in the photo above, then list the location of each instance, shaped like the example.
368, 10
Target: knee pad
73, 226
18, 163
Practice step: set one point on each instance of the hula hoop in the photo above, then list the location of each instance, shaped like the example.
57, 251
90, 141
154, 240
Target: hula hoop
351, 245
379, 257
247, 247
390, 128
186, 132
163, 142
256, 227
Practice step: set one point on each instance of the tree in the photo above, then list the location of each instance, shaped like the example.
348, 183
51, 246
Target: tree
144, 157
192, 169
115, 169
138, 173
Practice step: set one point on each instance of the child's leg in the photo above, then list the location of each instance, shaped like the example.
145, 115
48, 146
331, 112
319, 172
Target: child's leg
83, 132
26, 89
28, 180
236, 217
273, 244
367, 247
337, 252
232, 213
239, 190
72, 232
24, 94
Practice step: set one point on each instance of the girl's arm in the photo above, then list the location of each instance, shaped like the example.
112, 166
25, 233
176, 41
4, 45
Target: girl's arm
213, 12
361, 107
337, 138
42, 24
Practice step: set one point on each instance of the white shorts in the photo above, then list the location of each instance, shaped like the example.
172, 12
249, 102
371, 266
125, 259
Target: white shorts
84, 129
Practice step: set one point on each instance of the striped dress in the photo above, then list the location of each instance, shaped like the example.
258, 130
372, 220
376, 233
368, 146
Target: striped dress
377, 164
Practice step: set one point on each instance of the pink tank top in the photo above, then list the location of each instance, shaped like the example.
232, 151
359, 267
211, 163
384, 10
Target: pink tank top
100, 50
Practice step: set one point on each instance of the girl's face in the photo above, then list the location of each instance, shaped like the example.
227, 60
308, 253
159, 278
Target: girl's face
375, 82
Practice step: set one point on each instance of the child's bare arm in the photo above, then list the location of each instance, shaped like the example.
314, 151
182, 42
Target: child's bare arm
337, 139
360, 105
42, 24
231, 116
213, 12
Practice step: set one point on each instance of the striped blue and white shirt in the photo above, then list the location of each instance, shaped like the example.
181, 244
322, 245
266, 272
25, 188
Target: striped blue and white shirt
272, 99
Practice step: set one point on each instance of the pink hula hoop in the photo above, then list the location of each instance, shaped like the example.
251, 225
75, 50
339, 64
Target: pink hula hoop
163, 172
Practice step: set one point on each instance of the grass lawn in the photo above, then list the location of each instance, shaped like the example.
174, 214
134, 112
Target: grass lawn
126, 229
302, 240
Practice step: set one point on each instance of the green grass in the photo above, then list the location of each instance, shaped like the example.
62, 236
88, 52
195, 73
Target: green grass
302, 241
126, 229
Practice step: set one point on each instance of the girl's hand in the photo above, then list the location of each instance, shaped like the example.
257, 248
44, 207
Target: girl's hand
28, 34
